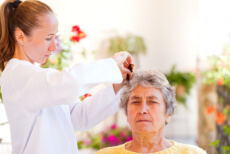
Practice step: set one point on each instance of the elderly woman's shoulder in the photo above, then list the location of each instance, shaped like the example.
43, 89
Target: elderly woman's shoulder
111, 150
192, 149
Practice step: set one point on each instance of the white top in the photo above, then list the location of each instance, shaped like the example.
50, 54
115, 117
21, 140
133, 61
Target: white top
43, 108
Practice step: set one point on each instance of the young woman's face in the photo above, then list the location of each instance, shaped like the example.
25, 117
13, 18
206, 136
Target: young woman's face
40, 44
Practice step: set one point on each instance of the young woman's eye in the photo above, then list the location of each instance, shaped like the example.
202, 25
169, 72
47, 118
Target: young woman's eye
48, 39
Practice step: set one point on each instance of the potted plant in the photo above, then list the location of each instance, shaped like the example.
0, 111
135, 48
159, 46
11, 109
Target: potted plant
183, 81
132, 43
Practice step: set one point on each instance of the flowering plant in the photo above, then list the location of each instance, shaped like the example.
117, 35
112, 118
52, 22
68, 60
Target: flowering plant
112, 136
222, 114
219, 74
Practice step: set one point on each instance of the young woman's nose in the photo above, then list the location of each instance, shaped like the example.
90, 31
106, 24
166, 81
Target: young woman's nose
53, 45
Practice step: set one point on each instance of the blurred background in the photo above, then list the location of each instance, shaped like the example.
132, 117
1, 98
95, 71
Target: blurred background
187, 40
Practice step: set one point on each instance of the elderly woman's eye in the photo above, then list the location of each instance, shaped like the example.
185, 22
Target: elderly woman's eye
135, 102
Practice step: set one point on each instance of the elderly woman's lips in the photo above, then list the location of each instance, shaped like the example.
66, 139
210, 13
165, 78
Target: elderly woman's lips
143, 121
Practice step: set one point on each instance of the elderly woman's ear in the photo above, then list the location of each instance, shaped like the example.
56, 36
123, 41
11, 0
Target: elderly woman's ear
168, 118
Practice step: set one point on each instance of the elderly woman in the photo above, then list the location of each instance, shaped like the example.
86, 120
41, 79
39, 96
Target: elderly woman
149, 102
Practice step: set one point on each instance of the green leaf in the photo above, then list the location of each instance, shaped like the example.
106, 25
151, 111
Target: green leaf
80, 144
215, 143
186, 79
227, 129
226, 149
131, 43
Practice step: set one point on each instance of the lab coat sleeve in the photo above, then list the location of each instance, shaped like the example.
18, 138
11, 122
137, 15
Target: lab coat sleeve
38, 88
94, 109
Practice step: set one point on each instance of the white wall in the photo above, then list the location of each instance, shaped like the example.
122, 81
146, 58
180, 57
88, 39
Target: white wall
169, 28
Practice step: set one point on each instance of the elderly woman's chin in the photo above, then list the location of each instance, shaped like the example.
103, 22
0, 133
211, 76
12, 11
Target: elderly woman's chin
144, 128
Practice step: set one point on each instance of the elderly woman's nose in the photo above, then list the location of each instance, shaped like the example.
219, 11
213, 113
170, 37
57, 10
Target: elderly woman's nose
143, 108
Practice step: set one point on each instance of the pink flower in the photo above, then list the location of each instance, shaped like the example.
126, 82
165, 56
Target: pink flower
122, 134
129, 139
112, 138
114, 126
103, 139
87, 142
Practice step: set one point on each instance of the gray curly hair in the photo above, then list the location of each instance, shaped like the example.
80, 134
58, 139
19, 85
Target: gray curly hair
150, 78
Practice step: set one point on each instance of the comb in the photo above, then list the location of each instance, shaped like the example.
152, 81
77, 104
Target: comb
129, 76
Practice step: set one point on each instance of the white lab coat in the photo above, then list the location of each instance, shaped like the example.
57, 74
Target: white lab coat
43, 108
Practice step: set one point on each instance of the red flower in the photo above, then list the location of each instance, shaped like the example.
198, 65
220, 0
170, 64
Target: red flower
210, 109
78, 34
75, 28
81, 34
220, 81
75, 39
86, 95
220, 118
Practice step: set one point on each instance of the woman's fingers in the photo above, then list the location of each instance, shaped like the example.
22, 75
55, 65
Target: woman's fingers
123, 60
